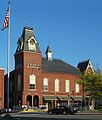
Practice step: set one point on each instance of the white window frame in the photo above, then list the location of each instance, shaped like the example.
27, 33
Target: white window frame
32, 82
56, 85
45, 84
32, 47
67, 86
77, 88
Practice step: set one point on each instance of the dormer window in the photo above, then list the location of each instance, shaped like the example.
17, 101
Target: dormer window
32, 44
28, 41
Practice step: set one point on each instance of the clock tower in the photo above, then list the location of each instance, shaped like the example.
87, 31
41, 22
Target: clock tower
27, 65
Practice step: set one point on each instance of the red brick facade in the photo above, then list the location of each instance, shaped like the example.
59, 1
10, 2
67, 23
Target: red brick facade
1, 88
42, 81
25, 58
38, 81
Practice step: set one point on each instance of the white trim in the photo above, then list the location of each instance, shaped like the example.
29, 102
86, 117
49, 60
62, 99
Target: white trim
89, 66
56, 85
45, 83
32, 79
33, 39
67, 85
27, 52
77, 88
2, 69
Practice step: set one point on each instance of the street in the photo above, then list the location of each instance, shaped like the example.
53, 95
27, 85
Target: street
45, 116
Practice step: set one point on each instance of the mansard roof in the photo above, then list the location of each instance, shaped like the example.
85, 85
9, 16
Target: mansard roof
24, 39
83, 65
60, 66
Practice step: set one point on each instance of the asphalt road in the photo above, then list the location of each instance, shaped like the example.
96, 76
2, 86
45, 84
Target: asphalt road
45, 116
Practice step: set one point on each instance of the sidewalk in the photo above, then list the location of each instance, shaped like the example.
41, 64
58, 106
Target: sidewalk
88, 112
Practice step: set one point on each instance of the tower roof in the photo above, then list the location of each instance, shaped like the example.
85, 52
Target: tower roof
83, 65
25, 39
48, 49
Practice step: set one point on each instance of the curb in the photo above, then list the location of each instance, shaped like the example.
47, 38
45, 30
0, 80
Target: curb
89, 113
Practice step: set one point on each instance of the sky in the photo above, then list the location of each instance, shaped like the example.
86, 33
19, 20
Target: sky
72, 29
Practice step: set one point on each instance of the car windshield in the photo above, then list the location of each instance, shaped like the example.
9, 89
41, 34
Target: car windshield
75, 105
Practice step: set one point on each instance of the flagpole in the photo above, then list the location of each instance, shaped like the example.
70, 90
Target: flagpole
6, 24
8, 63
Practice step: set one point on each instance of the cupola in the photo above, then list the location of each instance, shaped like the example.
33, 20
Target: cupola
48, 53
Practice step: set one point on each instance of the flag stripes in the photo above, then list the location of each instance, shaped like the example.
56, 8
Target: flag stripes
6, 21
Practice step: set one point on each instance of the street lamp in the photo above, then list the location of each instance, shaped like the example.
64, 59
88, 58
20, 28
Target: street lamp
68, 99
73, 93
83, 97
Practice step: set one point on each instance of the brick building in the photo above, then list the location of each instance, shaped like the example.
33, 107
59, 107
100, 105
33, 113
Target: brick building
38, 81
1, 88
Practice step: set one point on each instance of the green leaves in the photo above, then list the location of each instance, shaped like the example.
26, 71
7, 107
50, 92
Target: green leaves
92, 84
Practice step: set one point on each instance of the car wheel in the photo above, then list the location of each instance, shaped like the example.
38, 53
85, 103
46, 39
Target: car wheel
64, 113
50, 112
72, 113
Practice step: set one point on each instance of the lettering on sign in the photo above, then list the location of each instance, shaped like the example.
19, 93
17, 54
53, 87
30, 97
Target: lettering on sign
33, 65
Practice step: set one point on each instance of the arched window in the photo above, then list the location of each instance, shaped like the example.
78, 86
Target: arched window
45, 84
32, 82
77, 87
19, 82
32, 44
67, 86
56, 85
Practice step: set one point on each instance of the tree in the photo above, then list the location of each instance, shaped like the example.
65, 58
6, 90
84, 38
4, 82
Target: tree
98, 69
92, 84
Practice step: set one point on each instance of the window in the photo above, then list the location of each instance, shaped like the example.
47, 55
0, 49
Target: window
45, 83
19, 82
67, 86
56, 85
32, 44
77, 87
32, 82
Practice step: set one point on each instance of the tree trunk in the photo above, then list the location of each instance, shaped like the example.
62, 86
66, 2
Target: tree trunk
92, 107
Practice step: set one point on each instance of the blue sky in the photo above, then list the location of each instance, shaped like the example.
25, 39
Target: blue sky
72, 28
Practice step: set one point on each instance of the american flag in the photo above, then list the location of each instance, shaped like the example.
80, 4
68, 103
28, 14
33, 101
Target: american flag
6, 21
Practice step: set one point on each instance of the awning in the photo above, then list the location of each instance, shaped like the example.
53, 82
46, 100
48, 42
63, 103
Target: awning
50, 97
63, 98
77, 98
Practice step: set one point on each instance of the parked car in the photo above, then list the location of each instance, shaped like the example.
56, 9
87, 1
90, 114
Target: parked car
6, 110
76, 107
61, 110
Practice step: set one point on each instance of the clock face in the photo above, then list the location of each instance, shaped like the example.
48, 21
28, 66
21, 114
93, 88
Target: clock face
32, 42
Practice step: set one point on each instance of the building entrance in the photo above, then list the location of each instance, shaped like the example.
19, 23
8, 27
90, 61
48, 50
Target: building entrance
29, 100
36, 101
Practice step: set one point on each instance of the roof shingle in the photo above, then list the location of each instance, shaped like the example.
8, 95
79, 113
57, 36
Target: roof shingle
58, 66
83, 65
